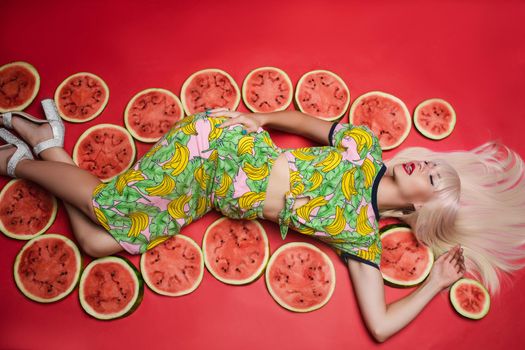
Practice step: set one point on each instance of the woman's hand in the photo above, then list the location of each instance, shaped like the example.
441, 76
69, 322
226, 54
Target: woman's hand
448, 268
250, 121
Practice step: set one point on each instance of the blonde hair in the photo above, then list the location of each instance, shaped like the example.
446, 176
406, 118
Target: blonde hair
479, 203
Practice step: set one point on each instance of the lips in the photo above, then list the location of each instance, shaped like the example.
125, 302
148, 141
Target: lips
409, 167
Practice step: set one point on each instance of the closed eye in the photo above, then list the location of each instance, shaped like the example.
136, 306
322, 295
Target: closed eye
431, 181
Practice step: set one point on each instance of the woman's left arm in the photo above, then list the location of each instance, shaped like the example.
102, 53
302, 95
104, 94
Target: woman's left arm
384, 320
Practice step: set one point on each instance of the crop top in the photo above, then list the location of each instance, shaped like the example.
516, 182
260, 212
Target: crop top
341, 182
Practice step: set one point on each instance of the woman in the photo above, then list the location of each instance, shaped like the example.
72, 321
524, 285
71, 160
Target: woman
226, 161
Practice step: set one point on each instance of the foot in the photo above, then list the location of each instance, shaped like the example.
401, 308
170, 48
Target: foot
32, 133
5, 155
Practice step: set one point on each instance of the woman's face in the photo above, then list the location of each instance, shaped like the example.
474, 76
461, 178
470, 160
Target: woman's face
416, 180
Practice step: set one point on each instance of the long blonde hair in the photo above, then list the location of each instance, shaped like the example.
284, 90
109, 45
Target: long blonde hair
480, 204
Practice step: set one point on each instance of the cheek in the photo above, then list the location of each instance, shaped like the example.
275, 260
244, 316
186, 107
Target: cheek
416, 188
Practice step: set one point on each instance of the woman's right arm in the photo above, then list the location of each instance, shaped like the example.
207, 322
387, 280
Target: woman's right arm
384, 320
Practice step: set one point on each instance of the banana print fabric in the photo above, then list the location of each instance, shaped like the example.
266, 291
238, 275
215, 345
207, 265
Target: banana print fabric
341, 183
193, 168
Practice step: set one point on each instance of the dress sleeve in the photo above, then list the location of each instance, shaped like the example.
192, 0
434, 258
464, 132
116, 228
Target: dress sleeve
357, 140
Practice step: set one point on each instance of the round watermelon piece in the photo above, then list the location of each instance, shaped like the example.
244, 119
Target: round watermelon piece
26, 209
470, 298
209, 88
236, 251
267, 89
405, 262
105, 150
81, 97
47, 268
322, 94
385, 114
435, 118
300, 277
19, 85
174, 266
110, 288
151, 113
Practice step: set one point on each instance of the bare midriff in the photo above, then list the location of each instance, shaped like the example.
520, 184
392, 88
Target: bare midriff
278, 185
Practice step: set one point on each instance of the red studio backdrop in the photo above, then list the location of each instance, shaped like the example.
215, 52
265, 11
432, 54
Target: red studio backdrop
469, 53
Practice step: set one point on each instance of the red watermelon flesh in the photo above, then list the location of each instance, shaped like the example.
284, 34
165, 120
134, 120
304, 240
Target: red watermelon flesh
109, 288
300, 278
47, 268
19, 84
174, 267
26, 209
267, 90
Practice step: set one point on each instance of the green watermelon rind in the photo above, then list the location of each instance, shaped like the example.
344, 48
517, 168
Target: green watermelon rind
245, 86
256, 275
281, 302
205, 71
298, 106
426, 133
79, 260
130, 104
151, 285
33, 71
63, 115
139, 289
386, 95
27, 237
457, 306
392, 229
111, 126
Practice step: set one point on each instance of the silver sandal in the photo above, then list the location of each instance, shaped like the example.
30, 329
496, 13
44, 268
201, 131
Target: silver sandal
22, 150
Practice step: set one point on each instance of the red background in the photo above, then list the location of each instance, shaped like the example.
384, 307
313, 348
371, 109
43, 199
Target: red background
470, 53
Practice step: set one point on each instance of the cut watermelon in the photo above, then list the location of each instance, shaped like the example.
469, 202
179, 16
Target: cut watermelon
151, 113
81, 97
235, 250
470, 298
105, 150
435, 118
385, 114
26, 209
47, 268
19, 85
267, 89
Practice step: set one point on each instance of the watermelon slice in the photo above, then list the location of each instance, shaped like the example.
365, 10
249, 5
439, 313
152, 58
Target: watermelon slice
209, 88
405, 262
235, 250
470, 298
47, 268
322, 94
19, 85
435, 118
110, 287
385, 114
174, 267
81, 97
151, 113
267, 89
26, 209
300, 277
105, 150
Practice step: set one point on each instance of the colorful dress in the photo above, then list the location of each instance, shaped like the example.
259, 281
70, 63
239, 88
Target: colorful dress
196, 167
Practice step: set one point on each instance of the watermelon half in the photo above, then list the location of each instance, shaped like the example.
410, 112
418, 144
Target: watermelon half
470, 298
236, 251
405, 262
151, 113
110, 287
105, 150
47, 268
19, 85
322, 94
267, 89
435, 118
300, 277
385, 114
26, 209
209, 88
81, 97
174, 267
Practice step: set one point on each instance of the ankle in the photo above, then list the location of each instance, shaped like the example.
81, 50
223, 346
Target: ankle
57, 154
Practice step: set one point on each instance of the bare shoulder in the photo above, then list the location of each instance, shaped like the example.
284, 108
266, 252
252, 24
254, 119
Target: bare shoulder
359, 270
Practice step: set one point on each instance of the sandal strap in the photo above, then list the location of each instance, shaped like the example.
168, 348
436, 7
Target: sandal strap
42, 146
57, 126
7, 120
22, 151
